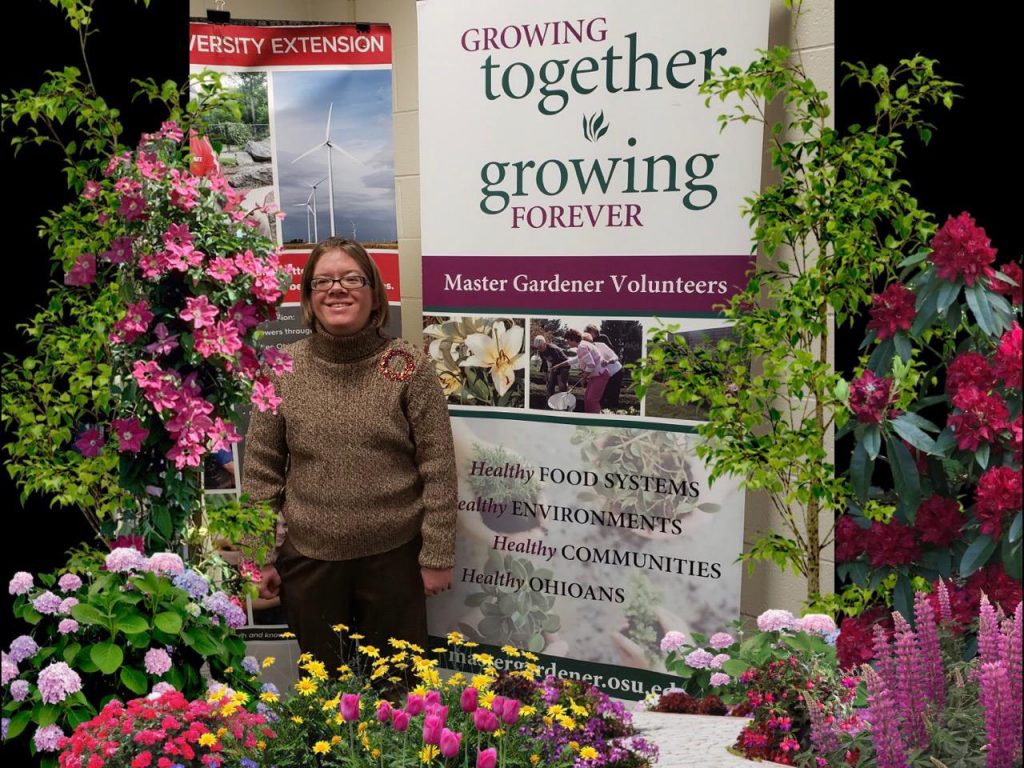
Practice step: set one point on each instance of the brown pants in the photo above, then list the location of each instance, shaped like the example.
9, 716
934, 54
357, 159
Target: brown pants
379, 596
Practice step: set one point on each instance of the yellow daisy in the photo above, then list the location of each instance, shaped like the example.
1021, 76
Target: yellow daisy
268, 662
207, 740
588, 753
321, 748
305, 687
428, 753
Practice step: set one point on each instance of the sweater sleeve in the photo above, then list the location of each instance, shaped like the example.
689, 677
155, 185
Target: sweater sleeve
435, 459
264, 469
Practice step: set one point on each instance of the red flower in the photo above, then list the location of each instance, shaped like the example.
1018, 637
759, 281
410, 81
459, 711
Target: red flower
999, 491
892, 310
855, 645
851, 539
1016, 438
961, 250
969, 369
939, 521
983, 416
869, 397
1006, 364
204, 159
892, 544
1014, 292
1002, 590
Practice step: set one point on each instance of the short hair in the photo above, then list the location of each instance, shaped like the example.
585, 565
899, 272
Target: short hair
593, 330
379, 318
572, 335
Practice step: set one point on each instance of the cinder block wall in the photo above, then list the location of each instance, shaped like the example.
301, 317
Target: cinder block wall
813, 38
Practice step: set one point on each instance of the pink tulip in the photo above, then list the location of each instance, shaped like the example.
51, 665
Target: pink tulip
498, 705
399, 719
450, 743
468, 700
487, 758
510, 712
384, 711
432, 727
433, 697
485, 720
414, 704
441, 712
349, 707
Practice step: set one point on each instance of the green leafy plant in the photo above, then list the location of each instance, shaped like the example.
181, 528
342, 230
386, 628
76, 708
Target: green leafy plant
115, 626
837, 218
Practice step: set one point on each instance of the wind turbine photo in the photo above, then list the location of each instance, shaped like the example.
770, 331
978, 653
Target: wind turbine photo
330, 146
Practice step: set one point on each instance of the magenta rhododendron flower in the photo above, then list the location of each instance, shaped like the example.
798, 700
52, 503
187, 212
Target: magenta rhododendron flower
981, 418
892, 543
998, 494
969, 369
1007, 363
939, 521
1015, 293
870, 397
892, 311
962, 251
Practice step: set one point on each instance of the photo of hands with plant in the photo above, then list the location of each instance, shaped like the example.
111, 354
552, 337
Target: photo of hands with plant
479, 360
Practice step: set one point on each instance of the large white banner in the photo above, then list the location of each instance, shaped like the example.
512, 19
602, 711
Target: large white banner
574, 184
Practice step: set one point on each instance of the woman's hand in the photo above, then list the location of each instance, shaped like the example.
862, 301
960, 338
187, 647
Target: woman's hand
270, 582
436, 580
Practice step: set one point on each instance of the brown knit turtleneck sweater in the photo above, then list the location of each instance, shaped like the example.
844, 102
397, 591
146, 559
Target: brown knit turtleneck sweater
359, 458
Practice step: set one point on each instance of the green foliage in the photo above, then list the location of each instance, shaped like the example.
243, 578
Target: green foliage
837, 218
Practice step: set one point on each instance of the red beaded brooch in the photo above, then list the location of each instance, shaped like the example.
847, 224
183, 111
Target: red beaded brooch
396, 365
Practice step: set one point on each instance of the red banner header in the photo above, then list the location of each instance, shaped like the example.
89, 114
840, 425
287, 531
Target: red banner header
227, 45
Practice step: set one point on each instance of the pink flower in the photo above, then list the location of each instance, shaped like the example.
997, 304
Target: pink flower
699, 659
850, 539
222, 269
58, 681
982, 417
151, 266
349, 707
870, 397
157, 661
719, 660
135, 322
1006, 364
892, 311
165, 343
199, 312
939, 521
487, 758
170, 130
414, 704
221, 338
69, 582
264, 397
67, 626
83, 272
132, 207
247, 263
1014, 292
775, 620
816, 623
185, 454
432, 727
91, 191
130, 434
672, 641
720, 678
266, 289
450, 743
485, 720
468, 700
962, 251
510, 712
222, 435
399, 720
165, 564
90, 443
120, 251
721, 640
384, 711
279, 361
20, 583
244, 315
204, 159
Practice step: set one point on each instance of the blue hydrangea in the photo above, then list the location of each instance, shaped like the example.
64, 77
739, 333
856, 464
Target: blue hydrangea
192, 582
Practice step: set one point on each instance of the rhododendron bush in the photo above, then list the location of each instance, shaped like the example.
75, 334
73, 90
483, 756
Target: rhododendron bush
937, 419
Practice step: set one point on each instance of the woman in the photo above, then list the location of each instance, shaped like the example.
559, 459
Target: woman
597, 362
360, 463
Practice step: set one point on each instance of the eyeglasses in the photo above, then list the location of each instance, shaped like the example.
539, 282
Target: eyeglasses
349, 282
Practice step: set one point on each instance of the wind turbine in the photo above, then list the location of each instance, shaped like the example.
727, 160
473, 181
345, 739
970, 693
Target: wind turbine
329, 146
309, 210
311, 201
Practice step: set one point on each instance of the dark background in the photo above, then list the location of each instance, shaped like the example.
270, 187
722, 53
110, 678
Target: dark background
970, 158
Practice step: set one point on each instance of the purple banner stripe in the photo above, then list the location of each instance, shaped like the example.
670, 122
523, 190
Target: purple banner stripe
646, 285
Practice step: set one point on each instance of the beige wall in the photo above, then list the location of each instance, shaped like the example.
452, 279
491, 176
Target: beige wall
813, 39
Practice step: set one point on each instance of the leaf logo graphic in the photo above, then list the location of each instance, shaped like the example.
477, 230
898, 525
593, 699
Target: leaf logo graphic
594, 127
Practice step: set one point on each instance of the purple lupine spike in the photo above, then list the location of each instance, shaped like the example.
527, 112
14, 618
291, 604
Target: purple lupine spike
945, 610
928, 638
994, 682
823, 733
911, 684
890, 751
1014, 665
990, 643
884, 662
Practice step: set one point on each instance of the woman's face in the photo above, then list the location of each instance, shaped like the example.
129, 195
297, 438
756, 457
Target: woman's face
342, 311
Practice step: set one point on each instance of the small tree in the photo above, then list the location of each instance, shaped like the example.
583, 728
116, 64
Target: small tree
837, 219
